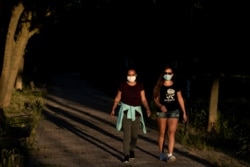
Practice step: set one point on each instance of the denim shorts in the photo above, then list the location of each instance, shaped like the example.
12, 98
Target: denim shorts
169, 114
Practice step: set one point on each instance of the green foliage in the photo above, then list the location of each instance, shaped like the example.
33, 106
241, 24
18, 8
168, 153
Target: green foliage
21, 119
198, 114
226, 126
244, 143
26, 102
232, 129
11, 158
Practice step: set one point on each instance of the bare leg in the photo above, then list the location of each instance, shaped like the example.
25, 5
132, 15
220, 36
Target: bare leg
162, 122
172, 126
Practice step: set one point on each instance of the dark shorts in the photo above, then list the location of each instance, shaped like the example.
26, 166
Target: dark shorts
169, 114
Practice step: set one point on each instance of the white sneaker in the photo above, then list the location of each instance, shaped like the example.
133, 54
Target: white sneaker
171, 158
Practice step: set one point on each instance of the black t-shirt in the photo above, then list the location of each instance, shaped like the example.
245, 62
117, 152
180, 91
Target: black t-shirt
168, 96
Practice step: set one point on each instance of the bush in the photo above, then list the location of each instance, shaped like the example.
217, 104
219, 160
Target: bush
20, 121
232, 127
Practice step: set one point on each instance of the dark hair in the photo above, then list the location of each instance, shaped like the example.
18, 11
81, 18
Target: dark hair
125, 71
163, 71
160, 80
131, 67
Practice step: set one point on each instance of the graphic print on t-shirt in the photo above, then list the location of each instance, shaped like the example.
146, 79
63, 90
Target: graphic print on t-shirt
170, 95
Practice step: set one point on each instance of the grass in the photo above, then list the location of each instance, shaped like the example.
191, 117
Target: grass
21, 119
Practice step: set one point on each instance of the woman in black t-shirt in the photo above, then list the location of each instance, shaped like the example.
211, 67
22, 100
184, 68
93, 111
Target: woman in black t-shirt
168, 98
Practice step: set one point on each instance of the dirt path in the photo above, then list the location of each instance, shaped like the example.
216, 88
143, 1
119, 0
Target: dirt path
76, 130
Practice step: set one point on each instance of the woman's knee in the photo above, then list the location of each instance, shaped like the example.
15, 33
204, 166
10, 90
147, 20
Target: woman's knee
161, 134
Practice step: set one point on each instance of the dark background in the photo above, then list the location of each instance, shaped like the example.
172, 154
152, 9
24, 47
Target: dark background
99, 38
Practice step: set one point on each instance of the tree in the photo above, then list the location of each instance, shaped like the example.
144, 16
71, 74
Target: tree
213, 104
26, 20
19, 32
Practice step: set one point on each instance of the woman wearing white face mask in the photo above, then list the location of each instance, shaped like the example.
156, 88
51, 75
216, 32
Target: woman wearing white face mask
168, 98
131, 95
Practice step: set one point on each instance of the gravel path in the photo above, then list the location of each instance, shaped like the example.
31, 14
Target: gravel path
76, 130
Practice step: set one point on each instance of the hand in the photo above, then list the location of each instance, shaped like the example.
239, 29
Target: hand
112, 114
148, 113
184, 119
163, 108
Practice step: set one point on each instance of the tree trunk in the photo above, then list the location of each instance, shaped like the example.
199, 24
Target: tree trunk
19, 78
16, 40
213, 106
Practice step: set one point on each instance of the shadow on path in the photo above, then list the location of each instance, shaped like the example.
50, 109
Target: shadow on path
76, 129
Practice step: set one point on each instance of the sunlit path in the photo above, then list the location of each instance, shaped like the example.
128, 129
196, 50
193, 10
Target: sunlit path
76, 130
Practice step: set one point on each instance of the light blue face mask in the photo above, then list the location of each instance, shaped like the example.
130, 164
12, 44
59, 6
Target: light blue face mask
167, 77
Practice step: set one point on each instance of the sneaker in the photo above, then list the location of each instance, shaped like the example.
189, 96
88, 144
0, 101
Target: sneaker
131, 154
171, 158
126, 159
162, 157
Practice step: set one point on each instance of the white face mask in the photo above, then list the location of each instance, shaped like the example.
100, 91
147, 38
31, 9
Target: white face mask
131, 78
167, 77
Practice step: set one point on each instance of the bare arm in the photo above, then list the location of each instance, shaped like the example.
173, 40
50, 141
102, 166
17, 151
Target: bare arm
116, 101
182, 105
158, 104
145, 102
